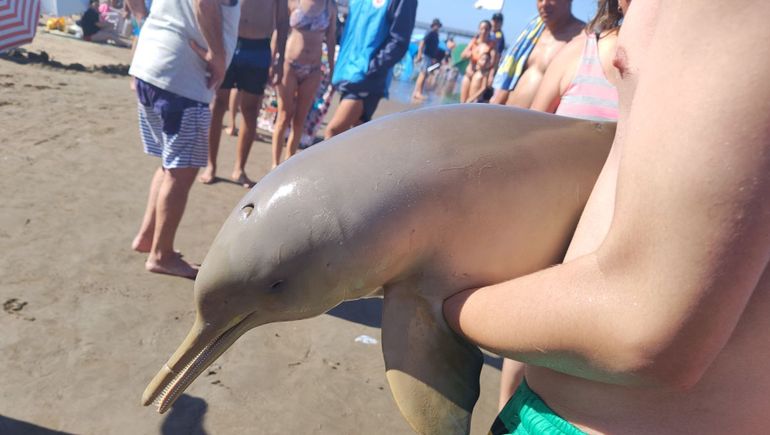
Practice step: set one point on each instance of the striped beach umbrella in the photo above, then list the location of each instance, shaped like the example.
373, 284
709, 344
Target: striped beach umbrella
18, 22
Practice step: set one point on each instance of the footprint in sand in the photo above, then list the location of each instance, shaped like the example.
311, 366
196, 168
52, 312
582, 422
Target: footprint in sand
14, 306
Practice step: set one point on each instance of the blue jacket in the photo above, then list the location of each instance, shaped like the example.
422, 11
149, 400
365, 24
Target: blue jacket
375, 38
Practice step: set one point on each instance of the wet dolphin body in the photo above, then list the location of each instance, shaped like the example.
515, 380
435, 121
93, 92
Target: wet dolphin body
425, 205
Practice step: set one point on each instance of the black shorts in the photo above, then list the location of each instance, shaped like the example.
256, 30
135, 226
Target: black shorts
370, 99
250, 66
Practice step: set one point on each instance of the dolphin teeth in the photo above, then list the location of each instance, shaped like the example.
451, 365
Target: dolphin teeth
195, 367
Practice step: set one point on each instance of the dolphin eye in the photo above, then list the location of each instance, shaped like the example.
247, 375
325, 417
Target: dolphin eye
246, 211
276, 285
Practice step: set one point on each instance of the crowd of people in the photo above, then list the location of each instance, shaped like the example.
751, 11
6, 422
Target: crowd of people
558, 64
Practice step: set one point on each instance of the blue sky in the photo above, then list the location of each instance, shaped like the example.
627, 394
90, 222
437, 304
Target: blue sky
516, 13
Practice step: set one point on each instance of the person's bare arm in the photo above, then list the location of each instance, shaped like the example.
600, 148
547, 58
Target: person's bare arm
479, 92
420, 48
331, 38
209, 17
279, 43
468, 50
557, 77
690, 238
138, 9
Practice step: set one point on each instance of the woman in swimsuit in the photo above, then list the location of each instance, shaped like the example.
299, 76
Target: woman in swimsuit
312, 22
480, 44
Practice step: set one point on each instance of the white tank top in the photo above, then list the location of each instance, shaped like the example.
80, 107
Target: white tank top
163, 55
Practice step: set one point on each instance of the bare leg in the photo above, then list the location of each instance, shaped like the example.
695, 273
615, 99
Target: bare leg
347, 116
500, 97
306, 92
465, 89
218, 108
250, 105
169, 208
143, 240
510, 378
286, 90
417, 94
105, 35
235, 104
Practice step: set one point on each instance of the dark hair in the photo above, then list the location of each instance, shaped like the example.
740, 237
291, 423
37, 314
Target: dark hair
497, 16
608, 16
486, 21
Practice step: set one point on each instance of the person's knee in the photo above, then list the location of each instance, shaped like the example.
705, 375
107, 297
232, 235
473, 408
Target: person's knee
181, 176
221, 101
250, 108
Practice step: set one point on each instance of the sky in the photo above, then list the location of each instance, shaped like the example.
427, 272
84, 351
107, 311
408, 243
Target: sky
516, 13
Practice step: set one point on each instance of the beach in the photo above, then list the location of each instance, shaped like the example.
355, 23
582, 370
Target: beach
85, 327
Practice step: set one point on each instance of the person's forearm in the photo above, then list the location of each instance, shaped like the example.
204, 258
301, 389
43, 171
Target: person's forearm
209, 17
585, 319
281, 29
331, 40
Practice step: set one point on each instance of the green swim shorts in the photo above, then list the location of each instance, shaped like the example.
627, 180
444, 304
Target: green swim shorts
527, 414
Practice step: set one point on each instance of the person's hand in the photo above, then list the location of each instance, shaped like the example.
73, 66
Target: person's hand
215, 65
276, 73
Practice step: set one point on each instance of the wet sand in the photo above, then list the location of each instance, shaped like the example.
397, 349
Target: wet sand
84, 327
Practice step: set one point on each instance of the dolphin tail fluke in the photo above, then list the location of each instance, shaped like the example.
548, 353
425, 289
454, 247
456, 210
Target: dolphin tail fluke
432, 372
202, 346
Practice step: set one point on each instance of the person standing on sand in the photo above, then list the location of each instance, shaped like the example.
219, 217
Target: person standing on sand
252, 65
376, 36
656, 322
524, 64
428, 54
181, 56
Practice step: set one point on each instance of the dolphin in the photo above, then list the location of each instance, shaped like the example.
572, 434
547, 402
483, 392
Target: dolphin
418, 205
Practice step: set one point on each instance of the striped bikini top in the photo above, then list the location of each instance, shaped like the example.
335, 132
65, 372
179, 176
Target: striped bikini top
300, 20
590, 95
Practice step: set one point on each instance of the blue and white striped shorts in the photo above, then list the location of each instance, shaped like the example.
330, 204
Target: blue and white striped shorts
173, 127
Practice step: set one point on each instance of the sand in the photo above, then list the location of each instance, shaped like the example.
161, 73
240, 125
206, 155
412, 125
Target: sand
84, 327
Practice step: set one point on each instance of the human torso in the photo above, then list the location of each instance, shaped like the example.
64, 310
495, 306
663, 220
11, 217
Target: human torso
366, 30
731, 397
88, 22
545, 50
163, 55
477, 48
589, 94
257, 19
309, 20
431, 45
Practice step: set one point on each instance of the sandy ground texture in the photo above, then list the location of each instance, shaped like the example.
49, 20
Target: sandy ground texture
84, 327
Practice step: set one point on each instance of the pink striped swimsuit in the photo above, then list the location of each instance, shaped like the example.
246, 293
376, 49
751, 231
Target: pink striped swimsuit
590, 95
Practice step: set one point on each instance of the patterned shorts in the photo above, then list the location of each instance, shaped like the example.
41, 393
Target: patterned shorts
173, 127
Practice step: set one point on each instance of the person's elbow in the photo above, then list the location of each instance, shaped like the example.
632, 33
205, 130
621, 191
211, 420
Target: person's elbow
651, 356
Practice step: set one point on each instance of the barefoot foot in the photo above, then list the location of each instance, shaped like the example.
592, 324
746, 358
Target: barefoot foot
174, 265
142, 244
243, 180
208, 176
232, 131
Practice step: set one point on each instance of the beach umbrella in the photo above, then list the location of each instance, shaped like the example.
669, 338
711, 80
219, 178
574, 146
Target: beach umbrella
18, 22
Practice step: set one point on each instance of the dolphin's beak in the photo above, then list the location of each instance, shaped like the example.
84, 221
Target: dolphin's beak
203, 345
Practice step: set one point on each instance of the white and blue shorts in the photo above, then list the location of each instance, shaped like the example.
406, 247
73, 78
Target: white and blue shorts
173, 127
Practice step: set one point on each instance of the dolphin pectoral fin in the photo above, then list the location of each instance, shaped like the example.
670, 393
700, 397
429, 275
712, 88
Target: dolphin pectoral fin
202, 346
432, 372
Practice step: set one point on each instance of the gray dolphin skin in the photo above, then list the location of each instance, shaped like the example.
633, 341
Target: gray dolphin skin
424, 205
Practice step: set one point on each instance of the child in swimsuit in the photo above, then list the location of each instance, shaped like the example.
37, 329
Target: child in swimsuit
480, 81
